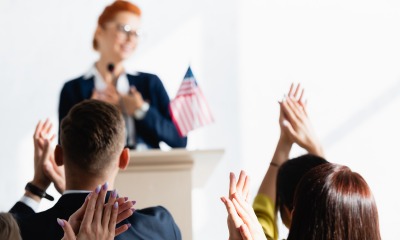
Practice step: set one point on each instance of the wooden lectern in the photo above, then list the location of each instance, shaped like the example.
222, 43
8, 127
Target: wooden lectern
166, 178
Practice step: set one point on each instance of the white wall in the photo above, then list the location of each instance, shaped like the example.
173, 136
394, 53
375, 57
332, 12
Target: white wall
347, 55
244, 54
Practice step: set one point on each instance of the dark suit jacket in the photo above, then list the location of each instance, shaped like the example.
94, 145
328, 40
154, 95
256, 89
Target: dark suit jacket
149, 223
156, 126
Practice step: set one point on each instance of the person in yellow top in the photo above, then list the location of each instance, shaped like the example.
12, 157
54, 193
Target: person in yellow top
278, 186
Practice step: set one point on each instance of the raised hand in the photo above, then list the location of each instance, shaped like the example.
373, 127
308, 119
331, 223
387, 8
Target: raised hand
296, 123
43, 153
242, 221
293, 93
234, 221
241, 186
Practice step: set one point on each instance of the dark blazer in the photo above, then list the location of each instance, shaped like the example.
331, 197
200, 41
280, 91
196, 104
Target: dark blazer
150, 223
156, 126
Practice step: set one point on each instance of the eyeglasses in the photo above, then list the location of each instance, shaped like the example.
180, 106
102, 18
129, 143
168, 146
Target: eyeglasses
127, 31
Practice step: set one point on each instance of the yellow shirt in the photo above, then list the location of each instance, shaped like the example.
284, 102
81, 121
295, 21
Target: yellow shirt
264, 208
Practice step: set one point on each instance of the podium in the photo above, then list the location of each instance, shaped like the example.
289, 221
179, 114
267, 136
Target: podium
167, 178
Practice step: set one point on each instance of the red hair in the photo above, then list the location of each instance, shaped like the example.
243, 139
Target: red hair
333, 202
112, 10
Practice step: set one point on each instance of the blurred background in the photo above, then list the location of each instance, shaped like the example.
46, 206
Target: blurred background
244, 55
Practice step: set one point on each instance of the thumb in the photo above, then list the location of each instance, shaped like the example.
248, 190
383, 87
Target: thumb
68, 232
290, 129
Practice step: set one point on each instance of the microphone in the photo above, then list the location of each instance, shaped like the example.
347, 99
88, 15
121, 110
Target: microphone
111, 68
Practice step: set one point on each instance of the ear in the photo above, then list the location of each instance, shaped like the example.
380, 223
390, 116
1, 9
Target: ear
98, 31
58, 155
124, 159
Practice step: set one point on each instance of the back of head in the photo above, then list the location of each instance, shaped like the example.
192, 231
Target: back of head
332, 202
9, 229
92, 135
289, 175
112, 10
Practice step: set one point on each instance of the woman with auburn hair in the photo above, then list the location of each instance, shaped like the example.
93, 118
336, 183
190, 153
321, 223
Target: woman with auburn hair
141, 97
331, 202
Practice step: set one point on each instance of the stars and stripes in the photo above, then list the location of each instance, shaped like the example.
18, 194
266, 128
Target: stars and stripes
189, 110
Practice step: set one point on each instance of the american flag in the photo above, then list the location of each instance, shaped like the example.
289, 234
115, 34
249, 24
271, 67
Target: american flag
189, 109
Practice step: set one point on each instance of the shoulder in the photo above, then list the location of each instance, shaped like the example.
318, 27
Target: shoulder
146, 78
155, 223
157, 212
74, 81
42, 224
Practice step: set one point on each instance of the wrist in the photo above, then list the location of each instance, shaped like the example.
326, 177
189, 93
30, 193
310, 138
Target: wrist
33, 196
316, 150
42, 184
284, 143
284, 138
35, 192
282, 152
141, 111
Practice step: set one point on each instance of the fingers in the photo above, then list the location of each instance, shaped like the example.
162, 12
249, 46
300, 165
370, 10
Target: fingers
46, 150
98, 214
124, 204
125, 209
232, 184
90, 209
81, 211
113, 218
38, 129
300, 100
246, 189
248, 214
295, 107
240, 210
68, 232
245, 232
108, 208
241, 182
55, 174
122, 229
232, 214
290, 93
288, 112
296, 92
47, 128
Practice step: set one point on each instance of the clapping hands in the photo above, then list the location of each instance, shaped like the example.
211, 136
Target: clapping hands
96, 219
46, 169
242, 221
295, 123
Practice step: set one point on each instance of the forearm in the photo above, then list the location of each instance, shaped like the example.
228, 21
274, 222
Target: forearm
281, 155
315, 148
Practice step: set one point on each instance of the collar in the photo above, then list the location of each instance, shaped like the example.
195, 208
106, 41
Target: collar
92, 71
123, 85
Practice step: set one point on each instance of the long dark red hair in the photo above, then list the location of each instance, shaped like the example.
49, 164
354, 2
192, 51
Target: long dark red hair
333, 202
